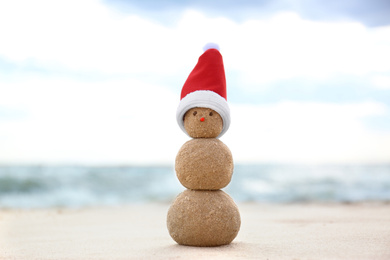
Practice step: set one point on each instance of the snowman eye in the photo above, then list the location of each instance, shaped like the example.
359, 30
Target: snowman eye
194, 113
211, 114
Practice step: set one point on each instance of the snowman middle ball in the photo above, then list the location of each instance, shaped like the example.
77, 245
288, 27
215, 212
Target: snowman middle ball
204, 164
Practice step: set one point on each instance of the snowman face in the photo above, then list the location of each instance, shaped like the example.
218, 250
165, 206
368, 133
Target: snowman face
201, 122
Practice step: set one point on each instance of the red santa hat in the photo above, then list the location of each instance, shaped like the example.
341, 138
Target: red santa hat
206, 87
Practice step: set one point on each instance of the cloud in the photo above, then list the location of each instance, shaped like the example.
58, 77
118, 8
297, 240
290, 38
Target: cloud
82, 36
124, 121
371, 13
381, 82
308, 132
91, 38
289, 47
132, 122
88, 84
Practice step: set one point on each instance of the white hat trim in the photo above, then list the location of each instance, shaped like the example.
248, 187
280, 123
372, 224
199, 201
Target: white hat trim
208, 99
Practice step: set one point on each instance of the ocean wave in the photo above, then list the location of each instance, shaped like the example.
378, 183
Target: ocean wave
78, 186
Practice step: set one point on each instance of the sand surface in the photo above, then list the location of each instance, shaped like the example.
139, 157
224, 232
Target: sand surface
357, 231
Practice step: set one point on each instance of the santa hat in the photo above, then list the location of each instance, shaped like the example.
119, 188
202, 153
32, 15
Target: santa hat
206, 87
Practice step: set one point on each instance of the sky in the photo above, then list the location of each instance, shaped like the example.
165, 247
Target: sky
98, 82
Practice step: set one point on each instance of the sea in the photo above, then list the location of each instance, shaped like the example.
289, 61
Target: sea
75, 186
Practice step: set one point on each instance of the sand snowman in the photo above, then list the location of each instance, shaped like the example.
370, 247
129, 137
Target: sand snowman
204, 215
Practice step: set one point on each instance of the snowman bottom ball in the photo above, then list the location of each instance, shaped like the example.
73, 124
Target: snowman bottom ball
203, 218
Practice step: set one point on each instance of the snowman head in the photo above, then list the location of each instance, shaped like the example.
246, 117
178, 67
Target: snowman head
202, 122
204, 92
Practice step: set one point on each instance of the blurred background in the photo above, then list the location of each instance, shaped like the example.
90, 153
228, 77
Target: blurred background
89, 91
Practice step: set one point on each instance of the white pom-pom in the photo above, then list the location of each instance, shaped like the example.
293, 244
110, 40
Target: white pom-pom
210, 45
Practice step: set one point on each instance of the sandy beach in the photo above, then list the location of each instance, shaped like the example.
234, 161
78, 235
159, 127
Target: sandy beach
296, 231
